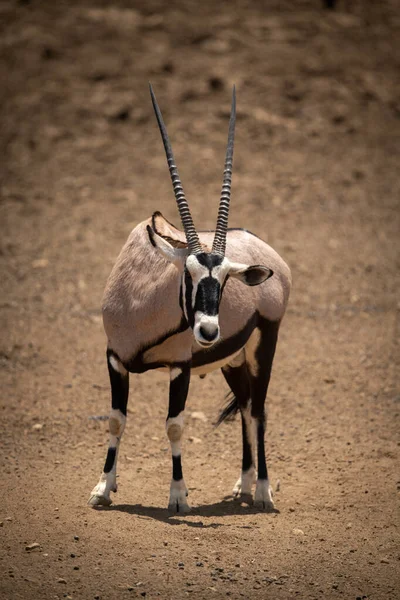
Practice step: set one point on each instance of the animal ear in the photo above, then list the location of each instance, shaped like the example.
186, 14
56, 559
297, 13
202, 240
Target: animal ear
177, 256
253, 275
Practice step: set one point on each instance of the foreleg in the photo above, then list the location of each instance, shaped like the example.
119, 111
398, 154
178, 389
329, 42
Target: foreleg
178, 391
119, 379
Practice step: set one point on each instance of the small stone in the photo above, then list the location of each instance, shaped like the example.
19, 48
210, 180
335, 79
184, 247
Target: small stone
199, 564
198, 415
31, 547
76, 538
8, 518
61, 580
297, 531
37, 426
72, 555
1, 523
384, 561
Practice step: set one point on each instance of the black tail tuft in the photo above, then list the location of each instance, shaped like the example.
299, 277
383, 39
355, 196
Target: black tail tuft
230, 410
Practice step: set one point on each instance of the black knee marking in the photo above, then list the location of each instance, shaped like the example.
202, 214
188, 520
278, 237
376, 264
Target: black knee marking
177, 468
119, 385
178, 391
110, 460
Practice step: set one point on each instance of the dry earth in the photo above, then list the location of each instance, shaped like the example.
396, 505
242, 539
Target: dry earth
317, 174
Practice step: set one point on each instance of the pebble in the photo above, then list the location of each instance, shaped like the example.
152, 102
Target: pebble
76, 538
297, 531
199, 416
384, 561
32, 546
37, 426
61, 580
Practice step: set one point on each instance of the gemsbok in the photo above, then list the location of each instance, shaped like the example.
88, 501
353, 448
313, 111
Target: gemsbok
191, 302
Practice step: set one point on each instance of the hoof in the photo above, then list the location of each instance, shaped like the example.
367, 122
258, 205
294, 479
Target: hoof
263, 496
265, 505
244, 499
181, 508
177, 498
244, 484
99, 501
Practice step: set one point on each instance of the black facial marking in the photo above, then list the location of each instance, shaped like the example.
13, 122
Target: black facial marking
208, 296
119, 386
188, 297
177, 468
110, 460
209, 260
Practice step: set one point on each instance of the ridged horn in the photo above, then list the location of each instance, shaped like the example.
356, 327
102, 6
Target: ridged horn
184, 211
223, 211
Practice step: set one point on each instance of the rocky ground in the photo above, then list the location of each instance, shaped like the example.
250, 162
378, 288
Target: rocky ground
317, 175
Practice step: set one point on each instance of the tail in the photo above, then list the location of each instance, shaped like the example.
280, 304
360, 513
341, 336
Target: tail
230, 410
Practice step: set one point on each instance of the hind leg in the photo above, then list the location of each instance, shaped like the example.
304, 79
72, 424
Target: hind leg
119, 379
237, 378
259, 357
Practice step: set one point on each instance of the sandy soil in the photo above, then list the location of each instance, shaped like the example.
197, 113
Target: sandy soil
317, 174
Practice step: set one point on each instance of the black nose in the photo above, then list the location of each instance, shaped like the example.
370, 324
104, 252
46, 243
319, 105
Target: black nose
208, 335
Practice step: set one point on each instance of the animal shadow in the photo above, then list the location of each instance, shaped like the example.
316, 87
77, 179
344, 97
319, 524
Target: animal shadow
226, 507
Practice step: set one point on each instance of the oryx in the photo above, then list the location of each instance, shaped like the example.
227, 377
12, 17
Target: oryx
193, 302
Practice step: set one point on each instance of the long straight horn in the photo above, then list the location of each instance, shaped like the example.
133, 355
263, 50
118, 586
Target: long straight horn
223, 211
184, 211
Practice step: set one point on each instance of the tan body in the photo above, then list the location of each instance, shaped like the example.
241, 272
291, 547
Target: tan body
141, 299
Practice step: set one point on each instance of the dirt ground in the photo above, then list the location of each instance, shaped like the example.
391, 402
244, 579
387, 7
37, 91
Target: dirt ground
316, 174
